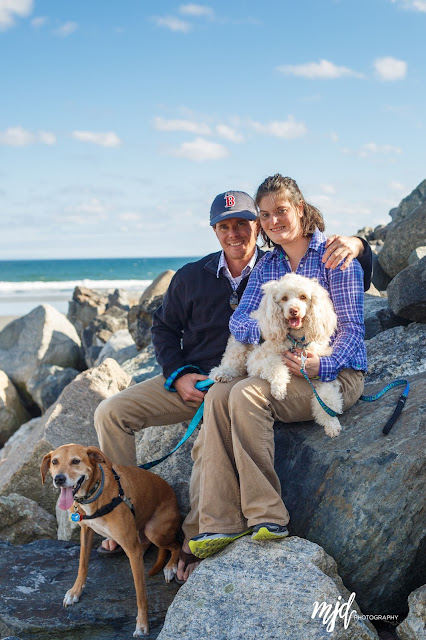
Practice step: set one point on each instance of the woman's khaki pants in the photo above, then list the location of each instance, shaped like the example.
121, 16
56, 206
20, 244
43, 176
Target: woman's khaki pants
233, 483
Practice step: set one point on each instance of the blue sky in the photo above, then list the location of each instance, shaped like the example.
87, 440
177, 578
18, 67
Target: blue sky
121, 121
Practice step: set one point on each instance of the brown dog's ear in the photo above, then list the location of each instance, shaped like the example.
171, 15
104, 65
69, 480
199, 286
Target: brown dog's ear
45, 464
96, 456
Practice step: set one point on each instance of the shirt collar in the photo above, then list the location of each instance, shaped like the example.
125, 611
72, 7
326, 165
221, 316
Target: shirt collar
247, 269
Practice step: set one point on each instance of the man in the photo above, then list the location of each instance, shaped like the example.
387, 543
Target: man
189, 333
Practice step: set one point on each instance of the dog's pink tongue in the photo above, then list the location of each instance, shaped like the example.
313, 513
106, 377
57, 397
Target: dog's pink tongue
294, 322
66, 498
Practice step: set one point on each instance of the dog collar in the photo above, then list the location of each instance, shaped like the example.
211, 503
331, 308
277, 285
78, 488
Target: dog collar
103, 511
97, 489
298, 344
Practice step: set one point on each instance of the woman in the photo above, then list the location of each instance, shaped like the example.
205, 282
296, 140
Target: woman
240, 492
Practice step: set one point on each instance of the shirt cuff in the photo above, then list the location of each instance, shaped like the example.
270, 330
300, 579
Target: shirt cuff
188, 368
327, 369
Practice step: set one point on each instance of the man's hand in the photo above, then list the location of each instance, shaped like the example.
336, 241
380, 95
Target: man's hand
341, 250
185, 386
294, 363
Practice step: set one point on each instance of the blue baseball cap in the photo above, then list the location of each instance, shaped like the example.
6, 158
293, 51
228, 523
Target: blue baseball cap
232, 204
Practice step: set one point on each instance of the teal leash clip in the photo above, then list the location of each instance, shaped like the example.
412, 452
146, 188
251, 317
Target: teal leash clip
201, 385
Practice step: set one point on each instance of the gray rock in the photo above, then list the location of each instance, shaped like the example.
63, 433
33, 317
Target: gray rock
47, 384
379, 278
22, 520
36, 576
44, 336
140, 316
142, 366
396, 353
12, 411
85, 306
414, 625
408, 204
407, 235
18, 437
407, 292
70, 419
417, 255
154, 442
120, 347
97, 334
388, 319
123, 298
373, 304
360, 495
263, 591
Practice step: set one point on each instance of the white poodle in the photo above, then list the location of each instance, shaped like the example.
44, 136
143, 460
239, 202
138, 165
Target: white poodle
291, 307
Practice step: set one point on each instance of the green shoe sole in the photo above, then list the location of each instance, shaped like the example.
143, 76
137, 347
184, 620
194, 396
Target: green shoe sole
206, 545
264, 534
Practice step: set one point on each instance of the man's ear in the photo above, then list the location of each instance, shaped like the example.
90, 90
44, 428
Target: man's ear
45, 464
97, 456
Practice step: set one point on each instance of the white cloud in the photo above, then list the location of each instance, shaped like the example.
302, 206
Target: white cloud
200, 150
229, 133
172, 23
129, 217
412, 5
196, 10
328, 189
46, 137
20, 137
281, 129
92, 206
189, 126
398, 187
11, 9
66, 29
106, 139
39, 22
390, 69
372, 148
321, 69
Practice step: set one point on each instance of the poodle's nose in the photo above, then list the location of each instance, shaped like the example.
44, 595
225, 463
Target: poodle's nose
294, 311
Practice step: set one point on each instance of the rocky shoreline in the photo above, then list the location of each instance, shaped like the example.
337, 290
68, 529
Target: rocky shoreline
356, 500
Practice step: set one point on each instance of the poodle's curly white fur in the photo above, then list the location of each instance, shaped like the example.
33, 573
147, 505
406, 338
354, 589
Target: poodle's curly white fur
295, 306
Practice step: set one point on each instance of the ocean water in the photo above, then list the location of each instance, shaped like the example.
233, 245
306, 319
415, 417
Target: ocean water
24, 284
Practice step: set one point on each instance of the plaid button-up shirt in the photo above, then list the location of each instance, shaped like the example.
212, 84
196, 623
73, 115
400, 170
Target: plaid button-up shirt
346, 292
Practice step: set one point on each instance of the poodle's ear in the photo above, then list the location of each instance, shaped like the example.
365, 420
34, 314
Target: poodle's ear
269, 315
322, 319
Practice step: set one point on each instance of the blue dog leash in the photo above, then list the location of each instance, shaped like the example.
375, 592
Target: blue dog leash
397, 383
400, 404
201, 385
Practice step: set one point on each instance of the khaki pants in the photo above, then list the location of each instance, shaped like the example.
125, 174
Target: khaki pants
233, 481
147, 404
239, 487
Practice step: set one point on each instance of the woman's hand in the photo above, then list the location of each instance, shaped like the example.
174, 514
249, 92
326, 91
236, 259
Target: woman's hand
294, 363
341, 250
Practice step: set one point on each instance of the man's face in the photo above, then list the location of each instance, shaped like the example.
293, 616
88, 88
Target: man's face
237, 237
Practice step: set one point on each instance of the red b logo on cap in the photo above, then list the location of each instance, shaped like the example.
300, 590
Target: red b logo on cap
230, 201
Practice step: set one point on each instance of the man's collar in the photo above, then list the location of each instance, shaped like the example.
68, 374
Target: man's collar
223, 262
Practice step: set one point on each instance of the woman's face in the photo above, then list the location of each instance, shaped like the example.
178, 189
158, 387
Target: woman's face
280, 220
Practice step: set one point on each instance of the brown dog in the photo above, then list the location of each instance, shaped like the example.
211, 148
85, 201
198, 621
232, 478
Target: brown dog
103, 499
